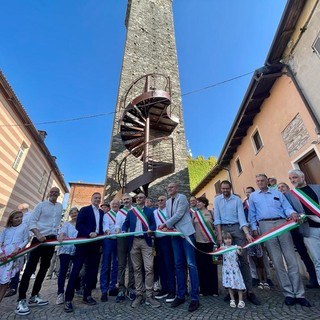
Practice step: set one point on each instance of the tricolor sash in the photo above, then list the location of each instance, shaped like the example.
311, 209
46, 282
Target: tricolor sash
307, 201
205, 226
192, 211
161, 216
112, 215
124, 211
141, 216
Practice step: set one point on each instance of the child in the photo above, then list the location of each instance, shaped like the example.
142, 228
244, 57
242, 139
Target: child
66, 253
231, 274
13, 238
256, 253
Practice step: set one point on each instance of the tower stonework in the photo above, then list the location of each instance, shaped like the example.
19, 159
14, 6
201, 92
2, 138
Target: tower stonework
148, 147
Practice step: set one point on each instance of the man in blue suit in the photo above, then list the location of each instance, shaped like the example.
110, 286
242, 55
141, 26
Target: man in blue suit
141, 221
89, 225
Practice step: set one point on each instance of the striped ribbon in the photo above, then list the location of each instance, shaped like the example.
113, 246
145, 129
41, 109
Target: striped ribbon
275, 232
306, 200
141, 216
205, 226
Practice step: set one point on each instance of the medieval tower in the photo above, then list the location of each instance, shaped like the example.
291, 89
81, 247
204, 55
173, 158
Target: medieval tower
148, 147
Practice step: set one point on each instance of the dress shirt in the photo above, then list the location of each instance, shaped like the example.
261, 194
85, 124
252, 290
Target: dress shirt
271, 204
97, 217
108, 224
229, 211
46, 217
120, 217
158, 221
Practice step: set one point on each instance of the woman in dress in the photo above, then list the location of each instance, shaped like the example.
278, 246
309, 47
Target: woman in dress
231, 274
202, 220
13, 238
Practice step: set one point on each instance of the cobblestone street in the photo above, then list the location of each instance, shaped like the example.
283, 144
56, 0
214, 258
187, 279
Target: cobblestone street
211, 308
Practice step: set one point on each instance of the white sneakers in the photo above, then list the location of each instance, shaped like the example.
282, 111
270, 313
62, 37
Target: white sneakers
37, 301
22, 308
60, 298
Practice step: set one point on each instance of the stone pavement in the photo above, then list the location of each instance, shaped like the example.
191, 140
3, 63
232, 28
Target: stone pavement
211, 308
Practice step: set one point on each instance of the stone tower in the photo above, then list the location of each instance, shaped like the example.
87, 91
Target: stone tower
148, 147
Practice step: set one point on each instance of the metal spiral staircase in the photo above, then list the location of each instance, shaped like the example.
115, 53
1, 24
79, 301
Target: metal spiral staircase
145, 126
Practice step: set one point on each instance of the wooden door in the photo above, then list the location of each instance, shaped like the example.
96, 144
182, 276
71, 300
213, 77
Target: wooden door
310, 165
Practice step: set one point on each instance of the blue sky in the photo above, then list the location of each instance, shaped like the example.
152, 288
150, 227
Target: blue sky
63, 60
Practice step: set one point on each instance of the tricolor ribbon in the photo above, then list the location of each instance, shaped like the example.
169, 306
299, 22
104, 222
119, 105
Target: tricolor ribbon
205, 226
124, 211
112, 215
275, 232
141, 216
161, 216
307, 201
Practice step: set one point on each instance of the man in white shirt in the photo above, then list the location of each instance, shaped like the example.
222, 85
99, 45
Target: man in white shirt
109, 264
44, 223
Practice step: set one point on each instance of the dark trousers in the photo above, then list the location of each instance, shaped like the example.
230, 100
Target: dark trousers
42, 254
165, 260
208, 272
89, 253
65, 260
297, 238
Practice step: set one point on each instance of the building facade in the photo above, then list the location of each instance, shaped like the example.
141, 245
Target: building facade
81, 192
27, 169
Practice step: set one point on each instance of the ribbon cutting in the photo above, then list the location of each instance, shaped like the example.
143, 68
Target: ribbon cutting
277, 231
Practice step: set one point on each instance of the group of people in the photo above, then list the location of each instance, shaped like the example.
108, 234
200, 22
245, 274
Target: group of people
172, 260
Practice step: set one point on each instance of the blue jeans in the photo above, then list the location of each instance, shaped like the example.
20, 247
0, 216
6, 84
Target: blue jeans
65, 260
166, 264
182, 251
107, 271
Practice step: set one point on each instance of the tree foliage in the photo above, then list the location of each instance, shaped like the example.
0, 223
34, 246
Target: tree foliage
199, 167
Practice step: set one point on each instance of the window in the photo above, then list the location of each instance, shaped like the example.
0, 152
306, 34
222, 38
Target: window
217, 187
316, 45
239, 167
257, 142
20, 155
43, 182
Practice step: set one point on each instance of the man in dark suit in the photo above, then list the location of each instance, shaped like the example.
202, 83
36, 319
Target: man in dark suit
141, 221
89, 225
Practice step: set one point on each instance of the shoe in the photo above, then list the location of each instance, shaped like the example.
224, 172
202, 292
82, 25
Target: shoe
161, 294
233, 304
89, 301
170, 297
260, 286
136, 303
253, 299
104, 297
309, 286
194, 305
68, 307
289, 301
60, 298
120, 297
22, 308
255, 282
153, 302
113, 292
241, 304
10, 292
270, 283
176, 302
131, 295
303, 302
266, 286
37, 301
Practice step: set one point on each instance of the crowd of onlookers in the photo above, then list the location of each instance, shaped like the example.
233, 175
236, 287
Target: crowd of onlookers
161, 266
